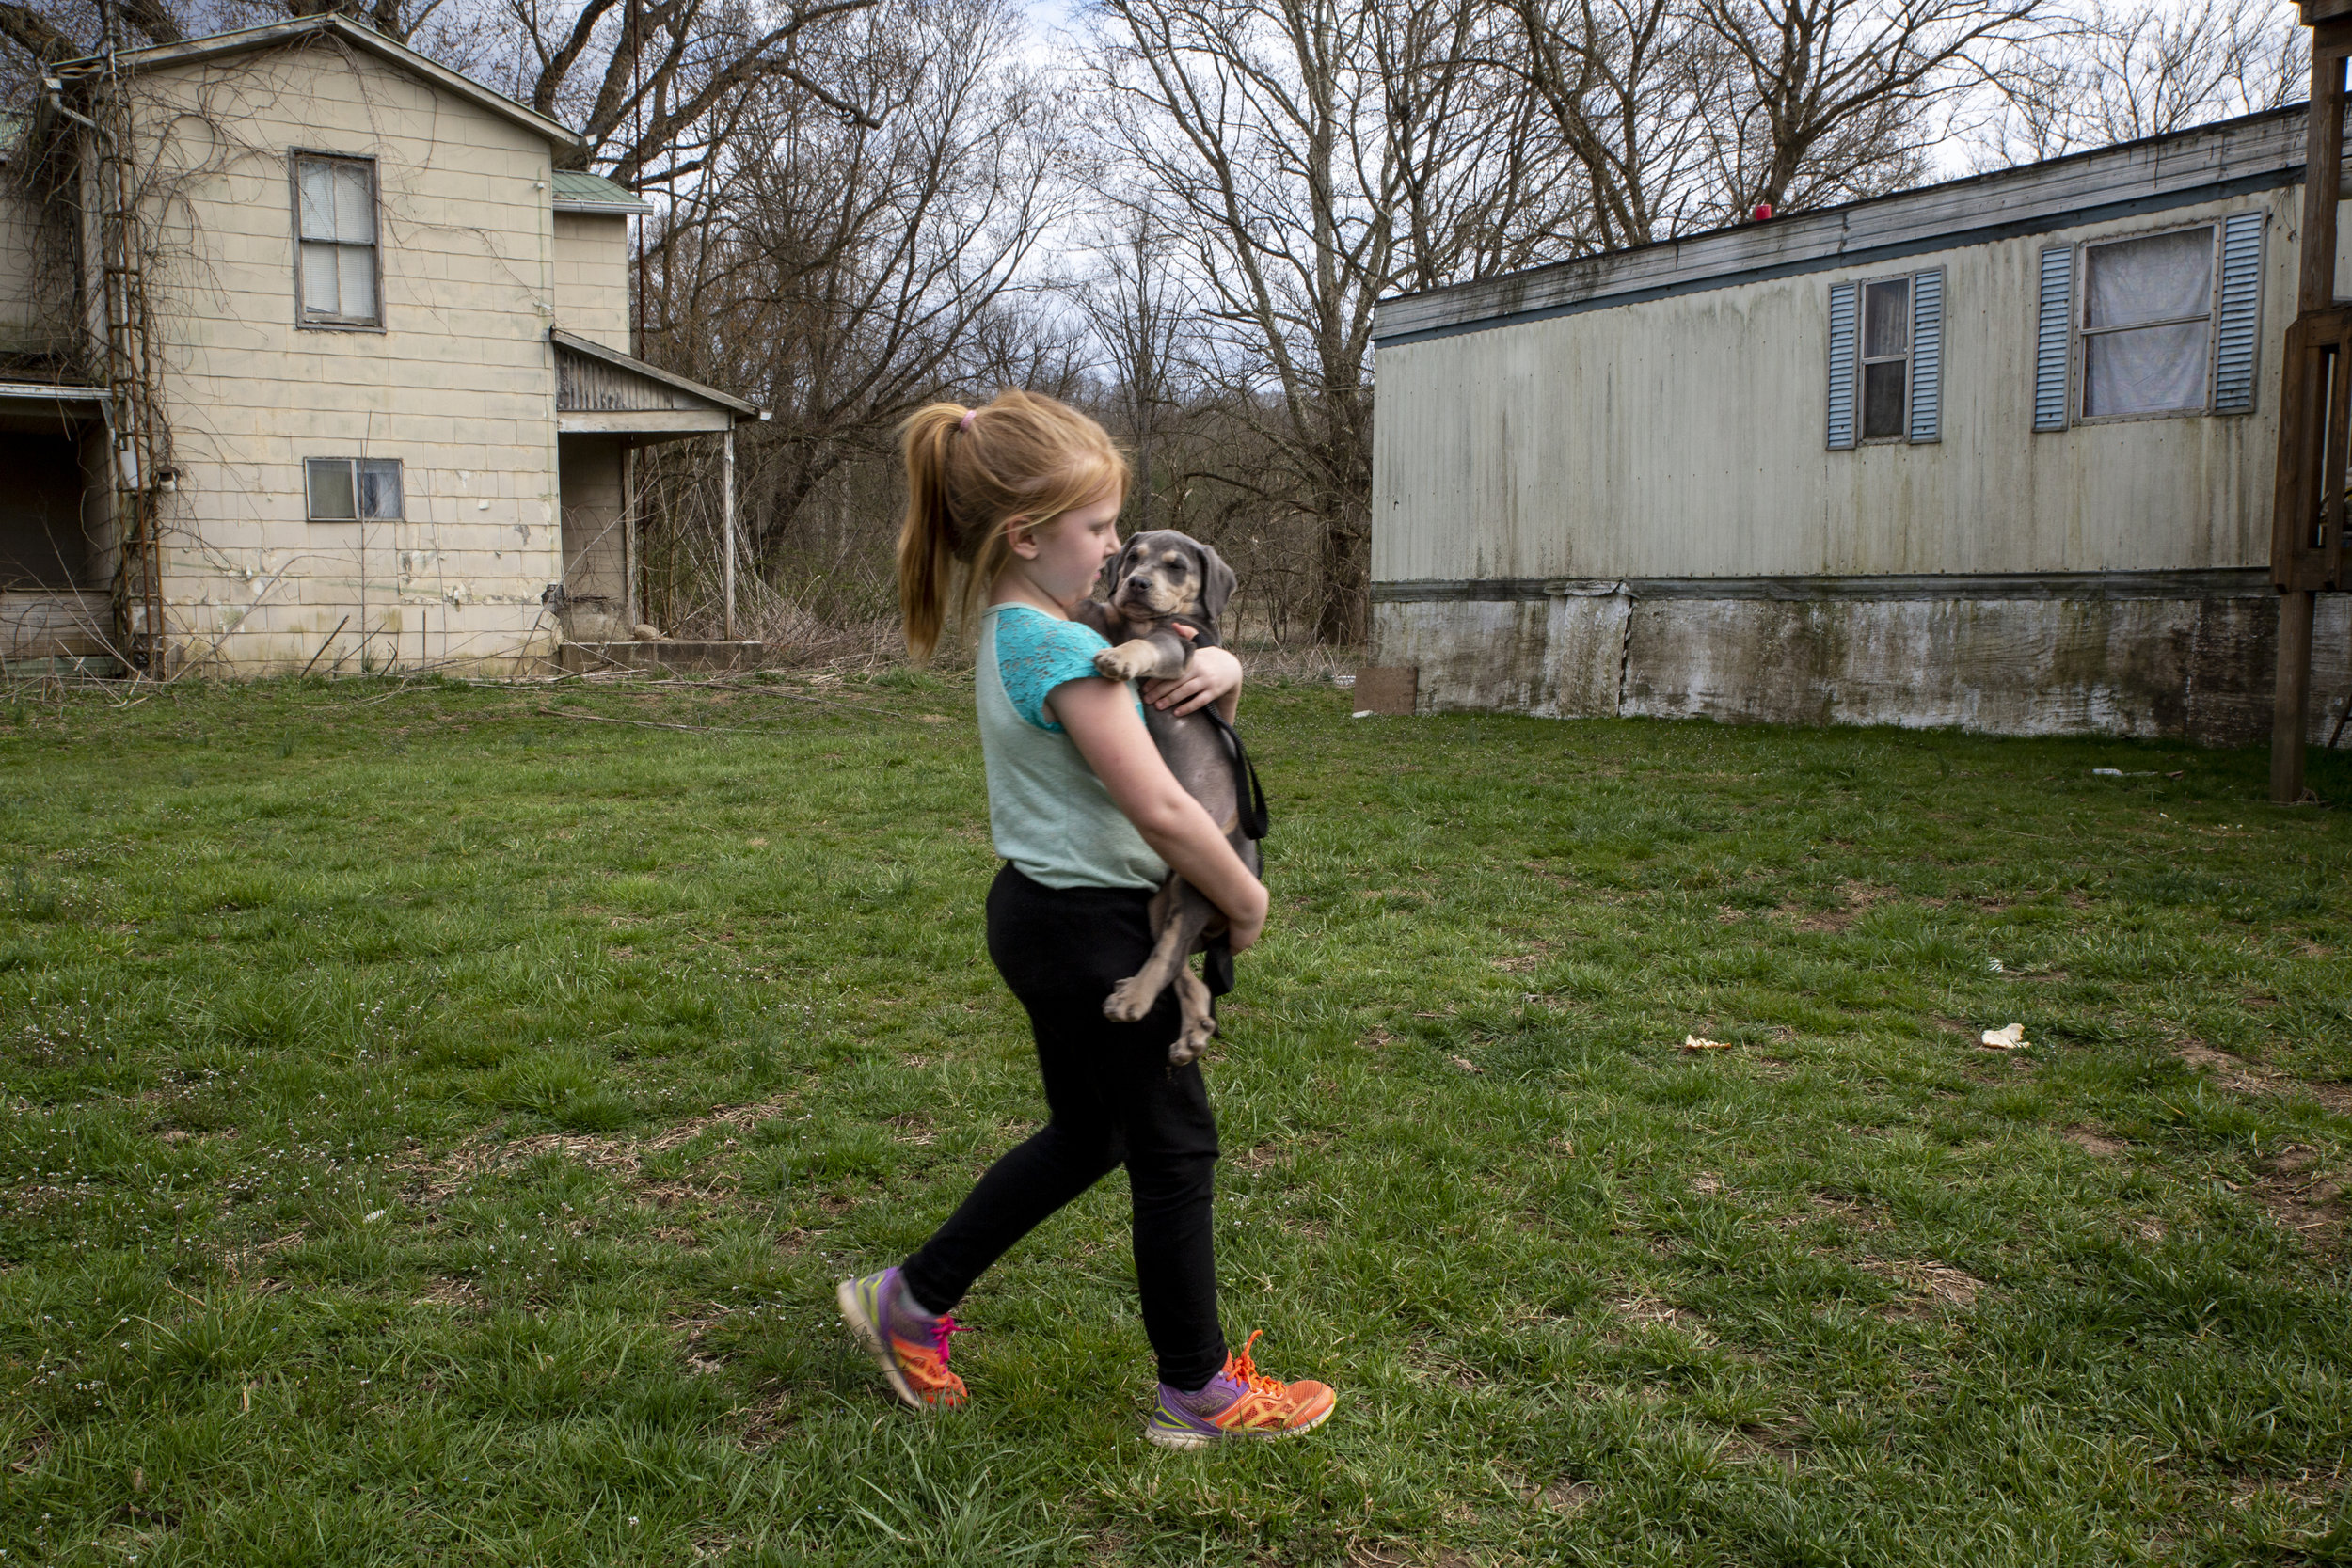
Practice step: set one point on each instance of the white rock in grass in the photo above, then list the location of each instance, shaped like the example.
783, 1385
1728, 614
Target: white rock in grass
2009, 1037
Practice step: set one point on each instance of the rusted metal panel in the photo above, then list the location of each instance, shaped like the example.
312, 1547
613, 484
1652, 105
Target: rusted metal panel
1385, 689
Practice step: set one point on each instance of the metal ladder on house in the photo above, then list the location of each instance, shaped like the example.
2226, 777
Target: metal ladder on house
138, 442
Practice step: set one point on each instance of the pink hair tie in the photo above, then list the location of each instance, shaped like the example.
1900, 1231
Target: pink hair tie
969, 415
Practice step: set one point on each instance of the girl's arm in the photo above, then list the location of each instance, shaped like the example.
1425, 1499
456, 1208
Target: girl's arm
1102, 718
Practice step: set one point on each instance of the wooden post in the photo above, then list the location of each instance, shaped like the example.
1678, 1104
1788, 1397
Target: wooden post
628, 538
2291, 709
726, 523
2306, 544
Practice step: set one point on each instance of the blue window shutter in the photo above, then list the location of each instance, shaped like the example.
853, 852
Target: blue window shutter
1844, 323
2051, 339
2238, 329
1927, 356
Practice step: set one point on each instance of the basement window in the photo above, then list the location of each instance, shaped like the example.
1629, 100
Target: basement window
335, 219
353, 489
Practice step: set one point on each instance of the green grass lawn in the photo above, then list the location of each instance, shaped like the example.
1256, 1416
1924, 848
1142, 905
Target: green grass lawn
435, 1119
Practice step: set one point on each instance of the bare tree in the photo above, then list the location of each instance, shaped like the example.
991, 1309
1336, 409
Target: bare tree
843, 274
1634, 91
652, 83
1838, 99
2121, 72
1314, 156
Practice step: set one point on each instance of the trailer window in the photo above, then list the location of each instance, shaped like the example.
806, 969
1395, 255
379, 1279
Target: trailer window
2147, 324
1886, 357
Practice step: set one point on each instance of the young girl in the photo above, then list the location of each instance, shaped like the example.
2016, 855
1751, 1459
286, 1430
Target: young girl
1020, 502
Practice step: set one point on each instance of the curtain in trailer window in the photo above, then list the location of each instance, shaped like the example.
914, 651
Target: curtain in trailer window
338, 203
2147, 308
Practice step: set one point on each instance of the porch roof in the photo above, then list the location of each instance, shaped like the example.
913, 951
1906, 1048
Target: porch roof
600, 390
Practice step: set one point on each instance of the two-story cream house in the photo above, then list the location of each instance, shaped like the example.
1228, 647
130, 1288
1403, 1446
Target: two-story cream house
311, 357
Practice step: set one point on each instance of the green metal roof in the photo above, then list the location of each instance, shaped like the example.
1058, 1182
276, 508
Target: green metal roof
576, 192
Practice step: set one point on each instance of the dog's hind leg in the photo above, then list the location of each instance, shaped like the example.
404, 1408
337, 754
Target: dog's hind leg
1200, 1017
1180, 926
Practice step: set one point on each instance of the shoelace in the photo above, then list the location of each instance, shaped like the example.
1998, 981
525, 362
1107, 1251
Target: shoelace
1240, 1368
941, 1326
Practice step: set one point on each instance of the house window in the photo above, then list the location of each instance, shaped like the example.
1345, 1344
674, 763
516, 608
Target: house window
335, 215
1886, 357
353, 489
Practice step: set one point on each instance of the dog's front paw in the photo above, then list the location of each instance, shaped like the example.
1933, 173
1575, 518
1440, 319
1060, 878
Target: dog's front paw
1128, 662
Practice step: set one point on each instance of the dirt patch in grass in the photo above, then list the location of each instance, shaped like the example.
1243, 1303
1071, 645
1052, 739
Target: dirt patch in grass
2298, 1191
435, 1181
2233, 1073
450, 1291
2336, 1098
1927, 1286
2095, 1142
1860, 898
1567, 1497
2239, 1076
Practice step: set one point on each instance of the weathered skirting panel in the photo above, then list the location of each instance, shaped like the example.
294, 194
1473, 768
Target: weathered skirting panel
2196, 665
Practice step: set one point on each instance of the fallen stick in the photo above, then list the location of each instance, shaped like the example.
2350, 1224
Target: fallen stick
330, 637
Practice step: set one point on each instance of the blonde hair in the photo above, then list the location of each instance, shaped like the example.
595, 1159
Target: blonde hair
973, 476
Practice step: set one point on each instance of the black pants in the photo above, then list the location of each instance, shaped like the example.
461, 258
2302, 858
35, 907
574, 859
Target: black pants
1112, 1100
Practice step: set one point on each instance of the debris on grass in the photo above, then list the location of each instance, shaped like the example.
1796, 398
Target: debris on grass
1466, 1063
1694, 1042
2009, 1036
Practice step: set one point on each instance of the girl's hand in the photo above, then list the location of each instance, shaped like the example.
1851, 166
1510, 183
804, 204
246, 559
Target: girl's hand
1212, 676
1102, 719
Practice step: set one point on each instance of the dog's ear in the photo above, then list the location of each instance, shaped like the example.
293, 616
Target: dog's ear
1218, 582
1107, 583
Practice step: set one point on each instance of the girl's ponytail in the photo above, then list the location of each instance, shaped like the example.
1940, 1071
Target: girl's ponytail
927, 539
973, 476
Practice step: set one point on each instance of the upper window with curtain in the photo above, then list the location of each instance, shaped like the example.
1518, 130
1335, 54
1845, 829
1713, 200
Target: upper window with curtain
2151, 325
338, 277
2147, 324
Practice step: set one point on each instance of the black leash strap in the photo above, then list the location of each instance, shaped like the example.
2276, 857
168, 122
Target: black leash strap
1249, 795
1217, 963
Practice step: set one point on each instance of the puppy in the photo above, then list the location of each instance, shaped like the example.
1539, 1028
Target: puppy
1161, 578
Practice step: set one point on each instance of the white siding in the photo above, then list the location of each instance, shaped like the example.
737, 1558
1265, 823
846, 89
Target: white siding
592, 277
1684, 437
459, 385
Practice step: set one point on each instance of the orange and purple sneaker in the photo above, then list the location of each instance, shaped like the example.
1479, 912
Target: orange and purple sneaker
911, 1346
1237, 1402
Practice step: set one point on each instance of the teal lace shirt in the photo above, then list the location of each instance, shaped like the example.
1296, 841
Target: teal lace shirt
1048, 813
